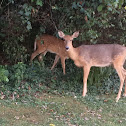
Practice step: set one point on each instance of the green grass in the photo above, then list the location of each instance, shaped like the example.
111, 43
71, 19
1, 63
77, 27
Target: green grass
35, 95
47, 108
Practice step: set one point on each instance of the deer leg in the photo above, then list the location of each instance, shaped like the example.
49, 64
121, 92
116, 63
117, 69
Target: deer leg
34, 55
37, 52
120, 74
55, 62
86, 70
125, 89
63, 64
124, 71
40, 58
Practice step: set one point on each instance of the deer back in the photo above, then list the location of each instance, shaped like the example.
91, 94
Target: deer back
52, 44
100, 54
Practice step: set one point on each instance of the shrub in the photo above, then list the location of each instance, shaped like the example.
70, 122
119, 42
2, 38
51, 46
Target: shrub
3, 74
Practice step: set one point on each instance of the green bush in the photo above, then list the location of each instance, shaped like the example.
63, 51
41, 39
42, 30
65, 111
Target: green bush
103, 80
15, 52
3, 74
23, 81
97, 21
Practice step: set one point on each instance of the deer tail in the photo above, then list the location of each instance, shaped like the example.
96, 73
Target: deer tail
35, 45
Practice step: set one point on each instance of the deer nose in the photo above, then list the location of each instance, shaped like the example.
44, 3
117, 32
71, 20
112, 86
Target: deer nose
67, 48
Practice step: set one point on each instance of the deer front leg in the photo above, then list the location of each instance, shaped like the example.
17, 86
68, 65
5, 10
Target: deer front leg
120, 74
55, 61
86, 70
63, 64
120, 90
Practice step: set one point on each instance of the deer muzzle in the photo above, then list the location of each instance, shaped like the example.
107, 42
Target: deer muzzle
67, 48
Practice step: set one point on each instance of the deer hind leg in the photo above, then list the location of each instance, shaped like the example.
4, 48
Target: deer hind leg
63, 64
40, 58
37, 52
120, 72
86, 70
124, 74
55, 62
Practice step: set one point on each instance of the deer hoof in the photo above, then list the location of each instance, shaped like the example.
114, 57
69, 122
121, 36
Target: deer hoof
124, 95
84, 95
117, 99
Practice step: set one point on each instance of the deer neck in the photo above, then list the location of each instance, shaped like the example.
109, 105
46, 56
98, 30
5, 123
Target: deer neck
73, 53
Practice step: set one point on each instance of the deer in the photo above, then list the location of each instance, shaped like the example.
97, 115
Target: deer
98, 55
48, 43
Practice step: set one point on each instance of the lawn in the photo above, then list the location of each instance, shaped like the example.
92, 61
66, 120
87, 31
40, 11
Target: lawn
48, 98
51, 109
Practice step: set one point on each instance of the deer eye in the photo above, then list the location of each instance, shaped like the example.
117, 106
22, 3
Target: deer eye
70, 40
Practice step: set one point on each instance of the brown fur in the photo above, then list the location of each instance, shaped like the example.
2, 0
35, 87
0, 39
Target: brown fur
48, 43
99, 55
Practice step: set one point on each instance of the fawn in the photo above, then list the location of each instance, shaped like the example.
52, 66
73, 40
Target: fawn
48, 43
99, 55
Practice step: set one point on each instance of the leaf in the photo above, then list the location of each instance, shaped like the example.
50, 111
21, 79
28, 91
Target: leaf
86, 118
21, 12
29, 25
51, 124
25, 5
39, 2
17, 117
109, 7
12, 1
100, 7
116, 4
6, 79
6, 72
78, 4
82, 10
27, 13
74, 5
2, 35
2, 97
42, 42
121, 2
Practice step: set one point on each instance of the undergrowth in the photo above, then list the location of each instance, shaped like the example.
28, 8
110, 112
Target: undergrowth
24, 81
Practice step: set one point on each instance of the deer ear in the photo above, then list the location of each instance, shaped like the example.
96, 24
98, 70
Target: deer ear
75, 34
61, 34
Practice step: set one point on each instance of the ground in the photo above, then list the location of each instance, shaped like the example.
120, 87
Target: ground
48, 109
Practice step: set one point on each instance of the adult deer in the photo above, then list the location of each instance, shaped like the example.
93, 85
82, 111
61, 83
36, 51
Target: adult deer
99, 55
48, 43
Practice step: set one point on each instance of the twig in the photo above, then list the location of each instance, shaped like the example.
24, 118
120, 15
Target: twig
5, 5
1, 4
52, 16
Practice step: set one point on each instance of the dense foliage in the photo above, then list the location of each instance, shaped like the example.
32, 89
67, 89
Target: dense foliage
99, 21
20, 81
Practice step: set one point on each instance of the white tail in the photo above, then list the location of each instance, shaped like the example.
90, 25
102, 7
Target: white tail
99, 55
48, 43
35, 45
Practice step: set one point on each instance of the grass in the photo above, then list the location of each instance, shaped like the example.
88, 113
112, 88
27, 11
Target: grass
65, 110
48, 98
